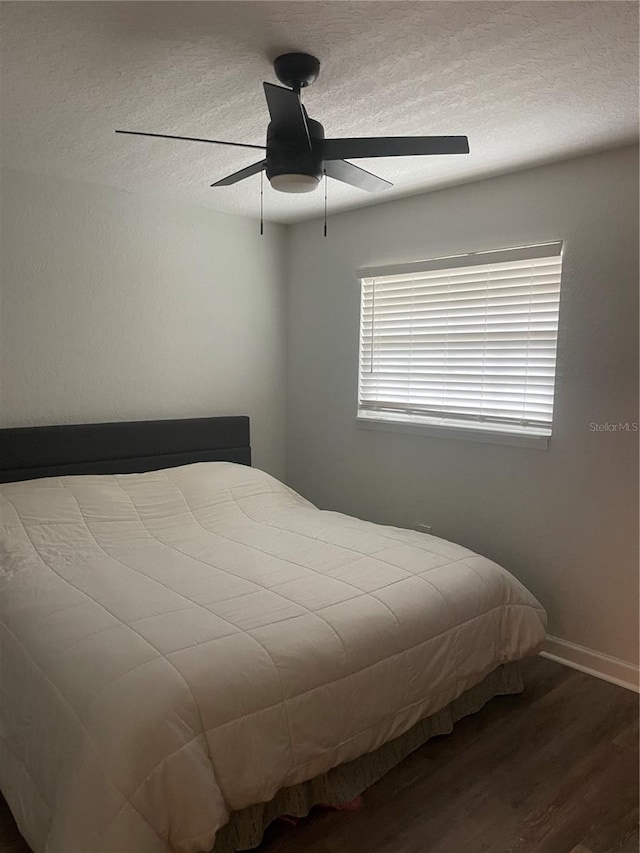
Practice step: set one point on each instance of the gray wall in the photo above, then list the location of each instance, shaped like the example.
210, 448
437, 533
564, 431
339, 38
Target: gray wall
563, 520
117, 307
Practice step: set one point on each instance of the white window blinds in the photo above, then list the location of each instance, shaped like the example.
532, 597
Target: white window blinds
463, 341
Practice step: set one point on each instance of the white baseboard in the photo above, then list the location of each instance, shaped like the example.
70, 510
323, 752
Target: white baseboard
608, 668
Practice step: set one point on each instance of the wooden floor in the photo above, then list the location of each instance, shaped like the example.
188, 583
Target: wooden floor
552, 771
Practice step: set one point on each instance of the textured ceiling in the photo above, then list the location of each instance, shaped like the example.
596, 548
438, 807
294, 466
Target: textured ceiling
528, 82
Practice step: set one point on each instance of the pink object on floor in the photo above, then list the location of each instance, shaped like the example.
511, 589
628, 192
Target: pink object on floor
351, 806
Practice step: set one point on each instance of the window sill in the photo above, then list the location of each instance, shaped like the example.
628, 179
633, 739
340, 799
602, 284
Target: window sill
484, 435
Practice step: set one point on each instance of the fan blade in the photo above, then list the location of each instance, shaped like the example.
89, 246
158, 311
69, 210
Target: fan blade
354, 175
393, 146
192, 139
287, 115
241, 175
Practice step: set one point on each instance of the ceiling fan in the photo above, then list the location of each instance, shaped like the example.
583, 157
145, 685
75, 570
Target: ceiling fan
297, 153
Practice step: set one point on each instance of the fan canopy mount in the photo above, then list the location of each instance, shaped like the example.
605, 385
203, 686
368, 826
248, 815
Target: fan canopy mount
297, 153
296, 70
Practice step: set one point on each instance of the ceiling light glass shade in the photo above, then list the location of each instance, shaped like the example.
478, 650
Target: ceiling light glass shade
294, 183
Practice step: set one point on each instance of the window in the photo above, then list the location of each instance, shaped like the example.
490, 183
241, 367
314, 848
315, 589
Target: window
465, 342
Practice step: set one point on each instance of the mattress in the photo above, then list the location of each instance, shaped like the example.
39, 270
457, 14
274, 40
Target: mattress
179, 645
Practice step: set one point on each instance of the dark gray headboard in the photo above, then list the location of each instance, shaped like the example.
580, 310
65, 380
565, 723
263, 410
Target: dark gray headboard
125, 447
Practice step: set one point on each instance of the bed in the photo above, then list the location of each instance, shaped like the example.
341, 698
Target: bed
188, 648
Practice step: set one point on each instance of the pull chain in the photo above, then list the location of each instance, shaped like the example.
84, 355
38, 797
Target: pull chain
325, 202
261, 202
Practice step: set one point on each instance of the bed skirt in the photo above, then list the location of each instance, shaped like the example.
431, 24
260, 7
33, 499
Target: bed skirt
345, 782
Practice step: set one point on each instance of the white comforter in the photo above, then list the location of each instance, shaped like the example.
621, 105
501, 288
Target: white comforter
180, 644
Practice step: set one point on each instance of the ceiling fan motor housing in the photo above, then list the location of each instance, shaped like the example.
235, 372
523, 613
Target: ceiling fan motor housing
283, 159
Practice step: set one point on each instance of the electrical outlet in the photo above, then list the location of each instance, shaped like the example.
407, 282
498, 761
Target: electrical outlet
424, 528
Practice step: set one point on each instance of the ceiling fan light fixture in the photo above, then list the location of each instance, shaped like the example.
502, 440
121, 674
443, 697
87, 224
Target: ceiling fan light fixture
293, 183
